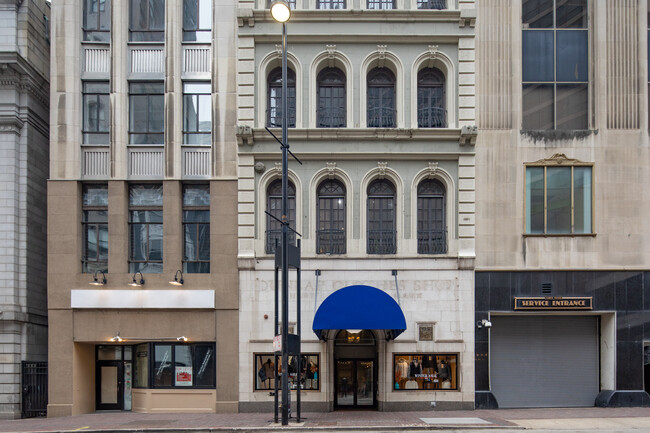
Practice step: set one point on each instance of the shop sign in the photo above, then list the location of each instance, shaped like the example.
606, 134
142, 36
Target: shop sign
553, 303
183, 376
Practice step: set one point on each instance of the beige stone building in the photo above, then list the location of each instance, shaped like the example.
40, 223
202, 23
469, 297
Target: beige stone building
142, 203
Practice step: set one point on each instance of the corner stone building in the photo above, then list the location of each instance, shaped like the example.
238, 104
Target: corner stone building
24, 105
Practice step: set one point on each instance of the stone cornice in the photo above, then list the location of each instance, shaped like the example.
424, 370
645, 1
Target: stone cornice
17, 73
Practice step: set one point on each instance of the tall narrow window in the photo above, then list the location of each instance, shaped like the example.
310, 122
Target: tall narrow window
381, 98
146, 113
330, 237
97, 20
146, 228
274, 207
331, 98
555, 64
432, 4
147, 18
96, 111
274, 108
95, 228
558, 200
431, 99
330, 4
381, 218
197, 113
432, 234
381, 4
197, 20
196, 229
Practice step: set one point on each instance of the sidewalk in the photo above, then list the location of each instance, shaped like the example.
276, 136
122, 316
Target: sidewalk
578, 418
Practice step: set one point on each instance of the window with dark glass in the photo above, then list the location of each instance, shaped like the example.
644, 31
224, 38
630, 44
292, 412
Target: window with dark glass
555, 50
146, 113
381, 217
196, 229
381, 98
331, 99
197, 20
97, 21
146, 228
274, 108
147, 20
307, 375
274, 207
381, 4
96, 120
432, 233
558, 200
432, 4
431, 99
174, 365
330, 4
197, 113
95, 228
425, 371
292, 4
330, 233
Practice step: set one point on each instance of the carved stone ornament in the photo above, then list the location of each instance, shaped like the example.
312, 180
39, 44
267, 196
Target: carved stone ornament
331, 49
381, 49
382, 169
278, 167
260, 167
433, 52
331, 168
278, 50
432, 169
559, 159
244, 135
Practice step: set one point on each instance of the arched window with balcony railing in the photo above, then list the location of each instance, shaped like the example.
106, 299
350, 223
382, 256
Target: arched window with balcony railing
274, 214
432, 112
330, 232
331, 98
381, 218
274, 100
381, 98
432, 231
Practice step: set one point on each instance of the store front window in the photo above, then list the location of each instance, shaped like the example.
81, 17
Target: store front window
425, 371
167, 365
309, 371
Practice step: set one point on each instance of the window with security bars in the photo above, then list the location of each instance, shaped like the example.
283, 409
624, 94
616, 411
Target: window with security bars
330, 4
146, 228
97, 20
197, 20
431, 99
432, 4
381, 4
432, 232
381, 218
331, 99
381, 98
274, 108
147, 20
555, 47
196, 229
95, 228
197, 114
330, 233
274, 207
146, 113
96, 112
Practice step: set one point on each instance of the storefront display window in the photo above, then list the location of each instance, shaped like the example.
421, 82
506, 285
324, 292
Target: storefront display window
425, 371
175, 365
309, 371
141, 373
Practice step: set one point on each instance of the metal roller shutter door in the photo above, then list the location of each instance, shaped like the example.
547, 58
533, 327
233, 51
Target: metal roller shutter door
544, 361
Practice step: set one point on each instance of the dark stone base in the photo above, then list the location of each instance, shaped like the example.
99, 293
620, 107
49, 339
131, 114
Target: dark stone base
267, 406
406, 406
623, 399
485, 400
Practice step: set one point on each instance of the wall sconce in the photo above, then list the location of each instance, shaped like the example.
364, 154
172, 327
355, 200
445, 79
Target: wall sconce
96, 281
117, 338
485, 323
181, 338
177, 281
136, 283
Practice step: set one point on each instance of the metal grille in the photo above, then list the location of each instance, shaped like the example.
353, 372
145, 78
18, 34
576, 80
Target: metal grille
330, 4
381, 98
432, 242
432, 235
381, 218
432, 4
34, 387
381, 4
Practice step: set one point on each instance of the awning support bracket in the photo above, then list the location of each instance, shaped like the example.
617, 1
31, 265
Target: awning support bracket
394, 273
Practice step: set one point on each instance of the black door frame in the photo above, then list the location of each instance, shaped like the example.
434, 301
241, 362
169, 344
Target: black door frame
120, 385
354, 384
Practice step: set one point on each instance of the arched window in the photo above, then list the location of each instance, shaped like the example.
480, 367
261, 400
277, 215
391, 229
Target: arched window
330, 236
274, 207
274, 107
432, 233
381, 98
331, 98
431, 99
381, 217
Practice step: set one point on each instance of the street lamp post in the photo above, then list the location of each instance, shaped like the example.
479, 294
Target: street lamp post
281, 12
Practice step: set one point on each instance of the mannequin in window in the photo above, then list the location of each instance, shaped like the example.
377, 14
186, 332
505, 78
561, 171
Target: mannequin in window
266, 373
401, 371
415, 368
445, 374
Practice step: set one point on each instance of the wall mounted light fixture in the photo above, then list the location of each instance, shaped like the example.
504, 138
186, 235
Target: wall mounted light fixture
137, 283
96, 281
117, 338
485, 323
182, 338
177, 281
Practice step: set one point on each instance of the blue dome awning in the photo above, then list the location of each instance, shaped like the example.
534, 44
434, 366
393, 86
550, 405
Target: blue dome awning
359, 307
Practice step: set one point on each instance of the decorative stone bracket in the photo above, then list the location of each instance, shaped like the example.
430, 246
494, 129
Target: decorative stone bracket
467, 17
468, 135
244, 135
245, 15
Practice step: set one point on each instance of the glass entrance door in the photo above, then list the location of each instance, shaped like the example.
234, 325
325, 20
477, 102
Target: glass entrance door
355, 383
109, 385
